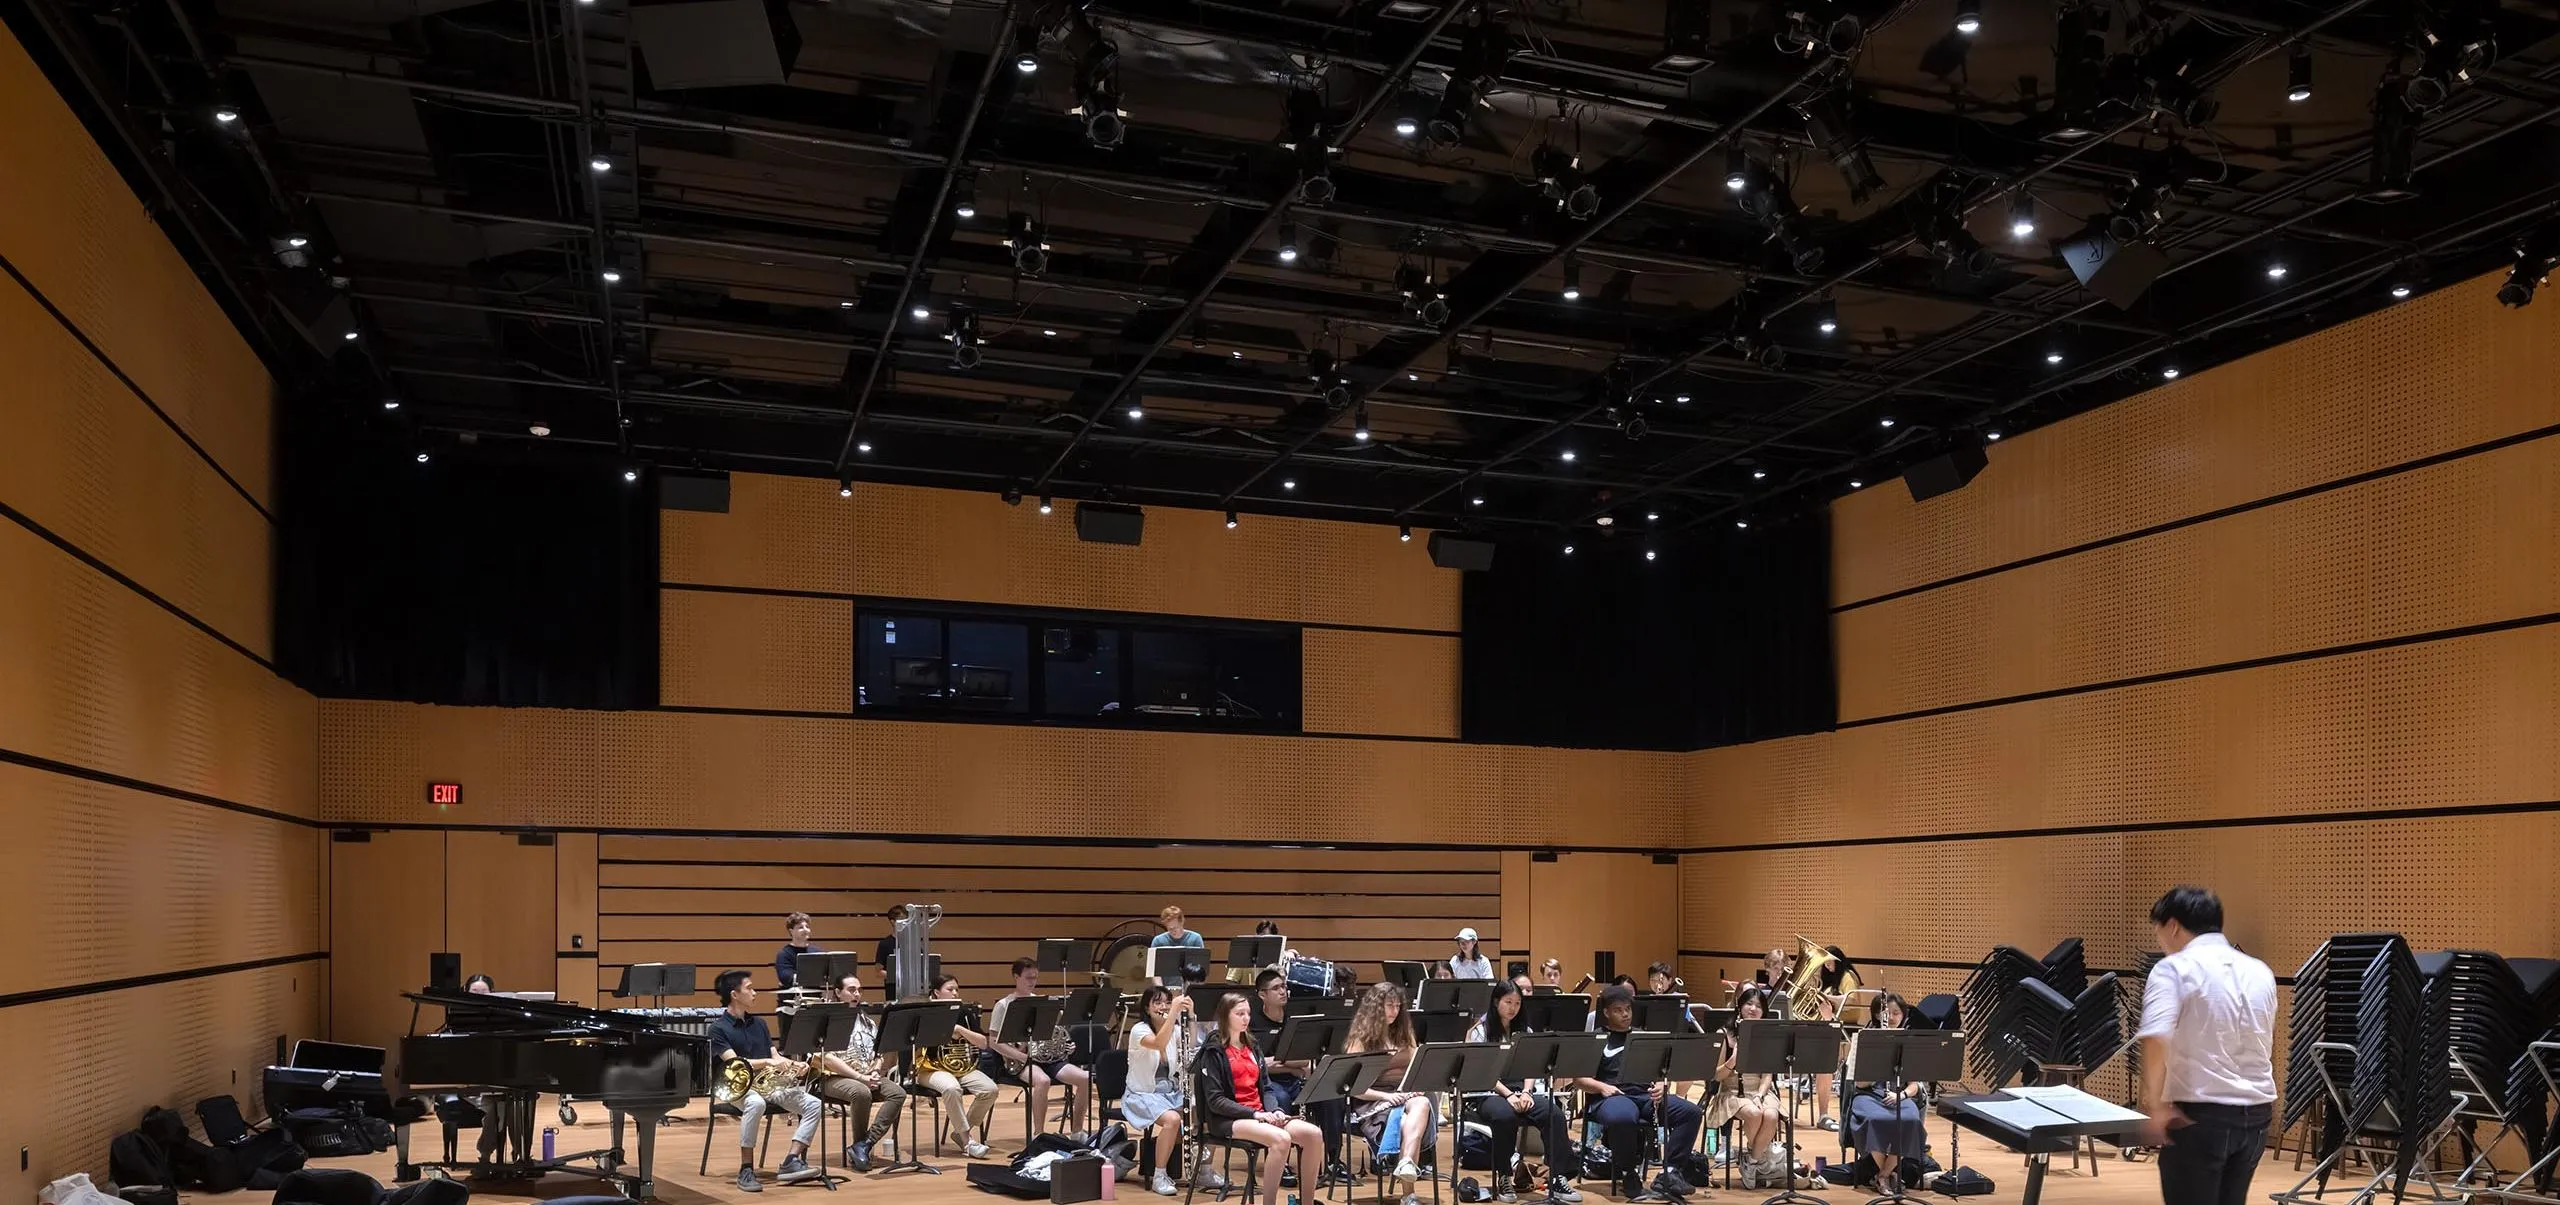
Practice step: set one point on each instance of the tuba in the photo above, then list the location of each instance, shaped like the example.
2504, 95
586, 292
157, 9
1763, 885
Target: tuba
1806, 998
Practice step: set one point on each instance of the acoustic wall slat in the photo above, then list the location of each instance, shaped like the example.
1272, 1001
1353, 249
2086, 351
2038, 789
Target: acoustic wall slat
750, 899
2441, 372
2449, 723
902, 542
498, 901
69, 223
94, 675
574, 899
820, 851
1167, 871
119, 883
834, 928
2459, 543
756, 953
823, 776
81, 456
754, 650
1384, 683
169, 1044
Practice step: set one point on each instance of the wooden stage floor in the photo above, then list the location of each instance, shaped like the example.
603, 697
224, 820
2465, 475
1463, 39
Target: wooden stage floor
680, 1152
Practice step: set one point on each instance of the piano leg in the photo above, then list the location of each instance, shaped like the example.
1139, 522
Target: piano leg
2035, 1177
643, 1186
404, 1171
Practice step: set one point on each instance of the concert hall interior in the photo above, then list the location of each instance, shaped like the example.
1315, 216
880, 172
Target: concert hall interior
556, 492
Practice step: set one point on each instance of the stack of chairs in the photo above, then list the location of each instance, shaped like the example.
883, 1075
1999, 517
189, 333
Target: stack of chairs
2030, 1012
2371, 1038
2528, 1094
2489, 1020
2129, 1021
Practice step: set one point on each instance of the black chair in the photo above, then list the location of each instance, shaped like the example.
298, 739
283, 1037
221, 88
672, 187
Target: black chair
764, 1142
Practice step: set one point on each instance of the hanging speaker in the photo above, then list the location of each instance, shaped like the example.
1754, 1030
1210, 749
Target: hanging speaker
1110, 523
1944, 474
1458, 552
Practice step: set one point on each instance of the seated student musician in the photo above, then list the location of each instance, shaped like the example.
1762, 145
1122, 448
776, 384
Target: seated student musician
1753, 1103
1885, 1119
1043, 1063
1551, 974
737, 1034
1404, 1125
1175, 934
859, 1077
1624, 1109
1470, 962
1228, 1079
1283, 1083
950, 1071
786, 961
1512, 1105
1152, 1103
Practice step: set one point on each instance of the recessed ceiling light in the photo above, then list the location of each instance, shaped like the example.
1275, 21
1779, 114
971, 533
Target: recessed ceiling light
1856, 484
1653, 516
2275, 271
2399, 290
599, 165
1606, 521
540, 429
612, 276
1568, 456
391, 403
1478, 500
225, 114
1407, 127
422, 458
1568, 550
1741, 523
1683, 399
864, 447
352, 336
1288, 483
1757, 474
2169, 374
631, 474
2053, 357
1884, 422
920, 313
844, 305
1648, 554
1993, 436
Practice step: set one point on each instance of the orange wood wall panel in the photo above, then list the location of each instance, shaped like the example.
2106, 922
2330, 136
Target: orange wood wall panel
901, 542
83, 457
169, 1044
755, 651
386, 914
2440, 372
818, 775
118, 883
574, 902
1584, 902
499, 898
94, 675
2464, 542
72, 227
1380, 683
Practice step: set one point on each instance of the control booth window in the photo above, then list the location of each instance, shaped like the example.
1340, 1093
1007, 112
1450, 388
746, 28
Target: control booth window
1039, 667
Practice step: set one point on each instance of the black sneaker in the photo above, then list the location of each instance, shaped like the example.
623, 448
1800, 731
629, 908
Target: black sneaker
747, 1181
1561, 1190
858, 1156
794, 1169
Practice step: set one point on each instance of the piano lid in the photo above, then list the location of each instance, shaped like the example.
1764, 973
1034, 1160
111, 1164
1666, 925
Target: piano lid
475, 1010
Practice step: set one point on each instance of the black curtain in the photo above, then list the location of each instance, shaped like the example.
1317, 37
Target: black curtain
1723, 639
483, 577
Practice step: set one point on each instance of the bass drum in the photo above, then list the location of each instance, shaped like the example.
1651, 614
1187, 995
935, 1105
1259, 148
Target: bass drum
1123, 966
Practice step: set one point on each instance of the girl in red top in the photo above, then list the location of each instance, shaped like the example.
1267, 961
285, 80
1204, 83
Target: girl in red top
1229, 1092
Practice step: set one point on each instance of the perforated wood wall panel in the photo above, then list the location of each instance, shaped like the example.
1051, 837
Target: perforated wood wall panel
894, 541
1585, 902
2443, 371
719, 902
95, 675
80, 455
816, 775
386, 914
69, 224
115, 883
2464, 542
2447, 723
754, 650
169, 1044
1388, 683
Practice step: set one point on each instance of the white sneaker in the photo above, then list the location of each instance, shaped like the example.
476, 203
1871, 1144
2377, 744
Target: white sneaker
1163, 1184
976, 1150
1407, 1172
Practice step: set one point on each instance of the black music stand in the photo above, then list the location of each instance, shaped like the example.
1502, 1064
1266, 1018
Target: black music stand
1551, 1056
1563, 1013
811, 1030
1441, 1027
1028, 1015
1320, 1006
1307, 1039
1902, 1056
1173, 966
823, 969
1342, 1076
906, 1029
1667, 1058
1469, 996
1053, 952
1407, 975
1788, 1049
1258, 951
655, 981
1664, 1013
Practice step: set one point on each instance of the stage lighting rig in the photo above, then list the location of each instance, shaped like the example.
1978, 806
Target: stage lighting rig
1810, 27
961, 328
1560, 180
2537, 255
1486, 48
1029, 242
1423, 297
1829, 120
2452, 47
1766, 199
1097, 85
1306, 142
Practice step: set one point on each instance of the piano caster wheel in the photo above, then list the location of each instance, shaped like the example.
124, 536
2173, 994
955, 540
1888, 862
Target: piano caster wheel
568, 1116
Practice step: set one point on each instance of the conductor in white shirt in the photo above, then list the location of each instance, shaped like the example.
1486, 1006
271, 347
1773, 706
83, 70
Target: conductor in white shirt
2208, 1066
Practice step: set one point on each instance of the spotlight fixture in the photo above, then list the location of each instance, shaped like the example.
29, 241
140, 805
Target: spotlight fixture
1486, 45
2399, 292
1813, 27
1231, 520
2022, 215
1457, 103
1137, 410
599, 164
1407, 127
225, 114
1766, 199
1886, 423
1856, 484
845, 304
1422, 296
1826, 317
1360, 424
1828, 120
964, 196
960, 326
2394, 157
630, 474
1968, 17
393, 403
1742, 523
1477, 500
1648, 554
920, 312
2537, 254
1045, 504
1012, 495
1026, 48
1048, 332
1288, 242
1560, 180
1567, 456
1404, 535
1682, 399
2276, 270
1572, 278
352, 335
844, 489
2297, 73
1029, 241
540, 430
1993, 436
1098, 94
611, 276
297, 240
1288, 483
2053, 357
1759, 474
1737, 168
2169, 373
1568, 550
422, 458
863, 447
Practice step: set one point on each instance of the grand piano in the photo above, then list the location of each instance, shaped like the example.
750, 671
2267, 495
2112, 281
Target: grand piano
518, 1049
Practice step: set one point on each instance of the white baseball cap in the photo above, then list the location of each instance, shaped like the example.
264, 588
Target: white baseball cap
1468, 934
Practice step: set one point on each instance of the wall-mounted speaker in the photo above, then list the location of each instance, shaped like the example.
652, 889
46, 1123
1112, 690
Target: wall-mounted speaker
693, 489
1110, 523
1458, 552
1944, 474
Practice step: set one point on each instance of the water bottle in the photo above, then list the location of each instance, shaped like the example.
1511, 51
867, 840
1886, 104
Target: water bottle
550, 1134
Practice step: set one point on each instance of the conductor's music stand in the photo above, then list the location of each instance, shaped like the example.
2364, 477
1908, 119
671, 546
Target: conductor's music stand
908, 1029
1789, 1049
1469, 996
1903, 1056
1569, 1012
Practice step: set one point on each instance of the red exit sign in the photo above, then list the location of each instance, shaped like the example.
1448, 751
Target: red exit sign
444, 794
